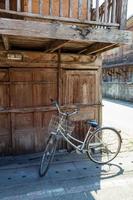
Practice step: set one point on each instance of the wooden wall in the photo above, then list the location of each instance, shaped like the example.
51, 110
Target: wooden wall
55, 8
25, 91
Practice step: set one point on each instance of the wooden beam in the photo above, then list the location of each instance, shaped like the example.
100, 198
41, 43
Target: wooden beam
97, 48
6, 42
55, 46
56, 18
63, 32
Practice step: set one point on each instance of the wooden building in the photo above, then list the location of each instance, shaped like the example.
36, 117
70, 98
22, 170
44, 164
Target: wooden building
51, 49
118, 71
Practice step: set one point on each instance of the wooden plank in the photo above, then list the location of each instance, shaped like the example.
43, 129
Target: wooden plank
60, 19
30, 57
41, 7
114, 11
97, 10
82, 66
50, 7
29, 64
78, 59
80, 8
89, 10
62, 32
106, 11
30, 6
123, 19
6, 42
7, 4
97, 47
46, 108
71, 8
61, 8
18, 5
55, 46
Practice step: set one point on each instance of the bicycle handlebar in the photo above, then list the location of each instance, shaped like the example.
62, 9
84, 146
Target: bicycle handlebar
55, 103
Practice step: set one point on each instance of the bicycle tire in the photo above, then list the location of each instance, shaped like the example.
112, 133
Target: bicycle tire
98, 151
48, 155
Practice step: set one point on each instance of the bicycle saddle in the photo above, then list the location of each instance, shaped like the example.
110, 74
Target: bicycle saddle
93, 123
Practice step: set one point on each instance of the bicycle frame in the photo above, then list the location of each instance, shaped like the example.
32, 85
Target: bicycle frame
68, 138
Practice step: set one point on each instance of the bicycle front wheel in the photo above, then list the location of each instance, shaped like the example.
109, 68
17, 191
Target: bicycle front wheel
48, 155
104, 145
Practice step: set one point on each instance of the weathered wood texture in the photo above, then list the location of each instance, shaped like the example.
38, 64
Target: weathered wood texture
25, 94
109, 12
63, 32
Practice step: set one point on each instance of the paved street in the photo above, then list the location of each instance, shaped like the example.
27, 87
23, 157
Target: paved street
119, 114
73, 176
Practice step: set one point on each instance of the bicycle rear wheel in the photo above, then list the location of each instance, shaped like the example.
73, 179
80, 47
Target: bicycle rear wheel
48, 155
104, 145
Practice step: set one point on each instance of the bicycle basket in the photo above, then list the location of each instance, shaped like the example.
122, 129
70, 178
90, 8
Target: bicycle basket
60, 124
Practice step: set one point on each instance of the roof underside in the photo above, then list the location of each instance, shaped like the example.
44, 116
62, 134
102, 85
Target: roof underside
39, 44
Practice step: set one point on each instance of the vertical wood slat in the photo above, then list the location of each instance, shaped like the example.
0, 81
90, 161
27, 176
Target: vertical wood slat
89, 9
79, 8
50, 7
106, 11
7, 4
70, 8
123, 16
97, 10
30, 6
113, 11
61, 8
18, 5
41, 7
110, 14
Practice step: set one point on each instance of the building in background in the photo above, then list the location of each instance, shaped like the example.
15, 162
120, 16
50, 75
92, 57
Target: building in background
118, 71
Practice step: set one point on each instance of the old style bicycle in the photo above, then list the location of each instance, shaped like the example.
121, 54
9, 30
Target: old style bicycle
102, 144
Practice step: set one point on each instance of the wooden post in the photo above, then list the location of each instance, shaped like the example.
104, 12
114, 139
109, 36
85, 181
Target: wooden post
70, 8
30, 6
89, 9
7, 4
41, 7
113, 11
123, 17
18, 5
59, 78
97, 10
61, 8
79, 8
50, 7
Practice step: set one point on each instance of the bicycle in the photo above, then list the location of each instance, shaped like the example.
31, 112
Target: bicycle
102, 144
